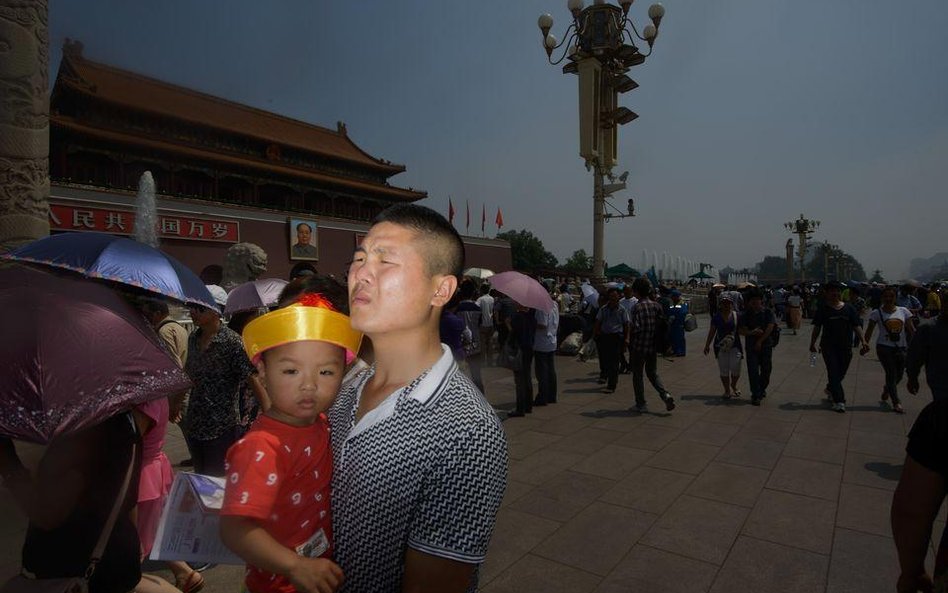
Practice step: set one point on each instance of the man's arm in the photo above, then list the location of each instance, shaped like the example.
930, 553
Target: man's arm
914, 507
917, 353
425, 573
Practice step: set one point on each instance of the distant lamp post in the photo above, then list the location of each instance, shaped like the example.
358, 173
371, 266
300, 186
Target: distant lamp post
600, 48
803, 228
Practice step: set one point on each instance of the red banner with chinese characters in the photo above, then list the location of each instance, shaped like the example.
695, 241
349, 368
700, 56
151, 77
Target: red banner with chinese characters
64, 217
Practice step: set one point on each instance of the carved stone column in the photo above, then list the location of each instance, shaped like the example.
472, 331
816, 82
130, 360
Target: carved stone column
24, 121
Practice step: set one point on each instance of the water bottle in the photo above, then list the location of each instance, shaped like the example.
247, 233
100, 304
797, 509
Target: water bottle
812, 359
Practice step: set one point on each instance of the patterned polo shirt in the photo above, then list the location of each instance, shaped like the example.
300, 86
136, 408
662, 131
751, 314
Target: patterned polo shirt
426, 469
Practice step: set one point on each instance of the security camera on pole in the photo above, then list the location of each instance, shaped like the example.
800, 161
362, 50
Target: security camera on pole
598, 53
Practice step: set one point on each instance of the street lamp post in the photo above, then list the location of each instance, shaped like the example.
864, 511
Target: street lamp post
803, 228
600, 48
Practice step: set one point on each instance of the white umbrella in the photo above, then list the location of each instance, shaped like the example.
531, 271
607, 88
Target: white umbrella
479, 273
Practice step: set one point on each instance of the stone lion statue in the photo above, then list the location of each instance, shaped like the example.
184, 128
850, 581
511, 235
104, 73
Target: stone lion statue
244, 262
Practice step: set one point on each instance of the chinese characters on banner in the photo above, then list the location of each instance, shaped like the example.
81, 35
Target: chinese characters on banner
122, 222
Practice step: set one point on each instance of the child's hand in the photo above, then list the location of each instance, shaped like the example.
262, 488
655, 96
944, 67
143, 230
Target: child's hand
315, 575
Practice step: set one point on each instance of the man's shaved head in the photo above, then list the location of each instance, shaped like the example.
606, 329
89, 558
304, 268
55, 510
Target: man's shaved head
442, 245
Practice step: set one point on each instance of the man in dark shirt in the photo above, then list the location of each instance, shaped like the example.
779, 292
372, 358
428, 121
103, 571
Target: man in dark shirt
756, 325
929, 348
612, 337
919, 495
836, 321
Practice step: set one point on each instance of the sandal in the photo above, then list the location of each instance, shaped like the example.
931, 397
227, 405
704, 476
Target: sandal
737, 393
193, 583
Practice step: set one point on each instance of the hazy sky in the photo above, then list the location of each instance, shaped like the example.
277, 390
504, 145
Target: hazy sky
751, 112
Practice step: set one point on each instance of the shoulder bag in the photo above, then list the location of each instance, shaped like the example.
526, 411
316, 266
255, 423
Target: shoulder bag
24, 583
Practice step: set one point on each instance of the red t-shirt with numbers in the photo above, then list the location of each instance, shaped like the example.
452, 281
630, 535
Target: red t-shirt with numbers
280, 475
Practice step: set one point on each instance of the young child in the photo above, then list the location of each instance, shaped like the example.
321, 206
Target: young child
276, 505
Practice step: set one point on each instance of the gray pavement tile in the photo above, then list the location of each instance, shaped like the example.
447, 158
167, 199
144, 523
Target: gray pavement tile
648, 489
586, 441
615, 417
541, 466
765, 567
550, 412
752, 452
515, 534
878, 422
816, 447
810, 478
563, 496
876, 443
709, 433
734, 484
793, 520
652, 570
596, 539
825, 423
862, 562
566, 425
938, 527
732, 412
514, 426
866, 509
681, 456
697, 528
613, 462
514, 491
652, 438
532, 573
872, 470
680, 418
528, 442
767, 429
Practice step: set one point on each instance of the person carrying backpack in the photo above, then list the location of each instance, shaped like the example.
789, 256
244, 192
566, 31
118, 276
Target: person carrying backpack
648, 334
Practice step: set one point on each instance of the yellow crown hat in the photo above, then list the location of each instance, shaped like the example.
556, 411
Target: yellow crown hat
312, 318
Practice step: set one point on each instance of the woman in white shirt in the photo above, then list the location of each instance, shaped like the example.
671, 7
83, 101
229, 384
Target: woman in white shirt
894, 333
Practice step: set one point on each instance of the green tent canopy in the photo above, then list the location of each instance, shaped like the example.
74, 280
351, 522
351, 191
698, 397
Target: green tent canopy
622, 271
701, 276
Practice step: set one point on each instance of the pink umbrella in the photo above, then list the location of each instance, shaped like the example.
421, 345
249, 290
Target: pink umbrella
74, 353
523, 289
254, 295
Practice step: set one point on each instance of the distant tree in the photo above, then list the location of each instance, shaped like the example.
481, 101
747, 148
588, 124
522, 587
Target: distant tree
772, 268
527, 250
877, 276
579, 261
847, 266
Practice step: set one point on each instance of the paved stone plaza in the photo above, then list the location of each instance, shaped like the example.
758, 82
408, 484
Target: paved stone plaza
715, 496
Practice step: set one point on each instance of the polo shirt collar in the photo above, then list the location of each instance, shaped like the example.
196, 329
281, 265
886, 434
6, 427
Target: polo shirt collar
422, 390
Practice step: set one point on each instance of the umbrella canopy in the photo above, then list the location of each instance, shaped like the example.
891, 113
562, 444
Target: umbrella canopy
523, 289
718, 285
622, 270
117, 259
74, 353
702, 275
479, 273
744, 285
255, 294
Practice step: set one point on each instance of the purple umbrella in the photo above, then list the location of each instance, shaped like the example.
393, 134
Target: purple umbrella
523, 289
255, 294
117, 259
74, 353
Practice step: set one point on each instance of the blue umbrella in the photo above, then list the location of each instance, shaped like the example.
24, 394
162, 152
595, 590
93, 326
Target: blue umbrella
117, 259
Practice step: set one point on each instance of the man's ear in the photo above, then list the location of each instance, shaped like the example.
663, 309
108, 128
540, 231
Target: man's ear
447, 285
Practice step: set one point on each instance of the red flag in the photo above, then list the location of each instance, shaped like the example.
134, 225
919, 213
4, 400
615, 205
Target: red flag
450, 210
468, 205
499, 220
483, 216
